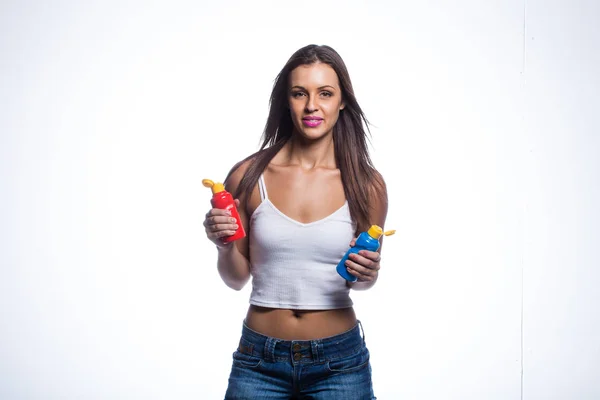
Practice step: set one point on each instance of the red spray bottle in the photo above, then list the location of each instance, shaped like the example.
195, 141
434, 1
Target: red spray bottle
224, 200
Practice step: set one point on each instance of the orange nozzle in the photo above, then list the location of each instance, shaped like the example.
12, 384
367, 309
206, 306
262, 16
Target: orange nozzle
216, 187
376, 232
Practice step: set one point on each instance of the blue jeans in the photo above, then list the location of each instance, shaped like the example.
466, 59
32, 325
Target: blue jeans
335, 367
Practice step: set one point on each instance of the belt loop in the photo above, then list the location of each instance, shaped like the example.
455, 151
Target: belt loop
314, 344
269, 352
362, 330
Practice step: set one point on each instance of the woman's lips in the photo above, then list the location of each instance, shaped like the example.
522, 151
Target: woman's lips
312, 122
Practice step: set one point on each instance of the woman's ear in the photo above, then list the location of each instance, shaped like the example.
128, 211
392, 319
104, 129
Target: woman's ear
342, 106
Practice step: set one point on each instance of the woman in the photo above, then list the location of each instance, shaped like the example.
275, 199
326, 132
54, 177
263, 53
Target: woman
303, 199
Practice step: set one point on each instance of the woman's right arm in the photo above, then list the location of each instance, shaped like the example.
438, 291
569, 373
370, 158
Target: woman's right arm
233, 266
233, 261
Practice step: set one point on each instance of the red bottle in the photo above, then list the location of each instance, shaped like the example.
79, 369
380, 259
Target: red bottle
224, 200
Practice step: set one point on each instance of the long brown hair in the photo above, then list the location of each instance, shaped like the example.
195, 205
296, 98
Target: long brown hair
359, 177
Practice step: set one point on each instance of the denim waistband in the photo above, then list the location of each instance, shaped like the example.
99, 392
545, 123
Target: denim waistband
301, 351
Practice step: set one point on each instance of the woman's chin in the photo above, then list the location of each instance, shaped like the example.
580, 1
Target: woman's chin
312, 134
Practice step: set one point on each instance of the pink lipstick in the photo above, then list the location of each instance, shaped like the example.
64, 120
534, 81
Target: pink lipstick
312, 122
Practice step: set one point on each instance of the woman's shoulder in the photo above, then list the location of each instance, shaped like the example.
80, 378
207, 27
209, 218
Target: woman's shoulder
237, 172
235, 177
378, 198
377, 183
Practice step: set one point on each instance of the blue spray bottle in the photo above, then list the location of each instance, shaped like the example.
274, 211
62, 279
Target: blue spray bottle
368, 240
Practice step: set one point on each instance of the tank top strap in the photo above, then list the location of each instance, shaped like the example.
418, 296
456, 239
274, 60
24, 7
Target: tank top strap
262, 188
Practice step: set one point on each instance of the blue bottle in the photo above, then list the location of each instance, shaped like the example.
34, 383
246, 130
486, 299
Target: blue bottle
368, 240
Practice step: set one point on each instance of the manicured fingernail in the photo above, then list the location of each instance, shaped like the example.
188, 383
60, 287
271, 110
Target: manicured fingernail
228, 212
232, 220
235, 226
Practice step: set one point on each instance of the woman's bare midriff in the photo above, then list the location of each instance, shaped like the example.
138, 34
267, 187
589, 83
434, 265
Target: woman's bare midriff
300, 324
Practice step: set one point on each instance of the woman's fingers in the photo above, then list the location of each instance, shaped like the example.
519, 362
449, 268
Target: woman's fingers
364, 266
219, 220
367, 259
222, 227
363, 274
220, 234
219, 224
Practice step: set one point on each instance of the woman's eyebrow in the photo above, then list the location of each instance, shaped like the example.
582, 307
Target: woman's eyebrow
319, 88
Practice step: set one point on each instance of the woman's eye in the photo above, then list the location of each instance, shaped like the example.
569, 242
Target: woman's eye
326, 94
297, 94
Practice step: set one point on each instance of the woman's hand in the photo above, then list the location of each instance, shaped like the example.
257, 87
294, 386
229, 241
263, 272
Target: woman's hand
364, 265
219, 224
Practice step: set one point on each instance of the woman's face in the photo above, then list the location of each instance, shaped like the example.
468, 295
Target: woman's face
315, 99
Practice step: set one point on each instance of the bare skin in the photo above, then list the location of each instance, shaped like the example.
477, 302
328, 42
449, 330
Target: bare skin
304, 183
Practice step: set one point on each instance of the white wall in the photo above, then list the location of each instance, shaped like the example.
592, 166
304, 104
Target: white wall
562, 193
486, 129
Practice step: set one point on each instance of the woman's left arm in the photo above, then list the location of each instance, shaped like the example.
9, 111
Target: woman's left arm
365, 264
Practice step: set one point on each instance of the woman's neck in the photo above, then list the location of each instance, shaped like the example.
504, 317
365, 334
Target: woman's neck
309, 154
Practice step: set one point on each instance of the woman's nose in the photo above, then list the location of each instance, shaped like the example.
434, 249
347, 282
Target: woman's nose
311, 105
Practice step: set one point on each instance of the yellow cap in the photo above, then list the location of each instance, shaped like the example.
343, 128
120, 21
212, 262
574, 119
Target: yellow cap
375, 232
216, 187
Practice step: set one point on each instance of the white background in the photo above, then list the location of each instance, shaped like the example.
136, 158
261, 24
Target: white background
486, 122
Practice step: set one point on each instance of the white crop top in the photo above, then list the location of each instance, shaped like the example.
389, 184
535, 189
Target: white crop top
293, 263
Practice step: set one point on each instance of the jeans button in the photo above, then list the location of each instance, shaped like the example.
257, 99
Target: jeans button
296, 347
297, 356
